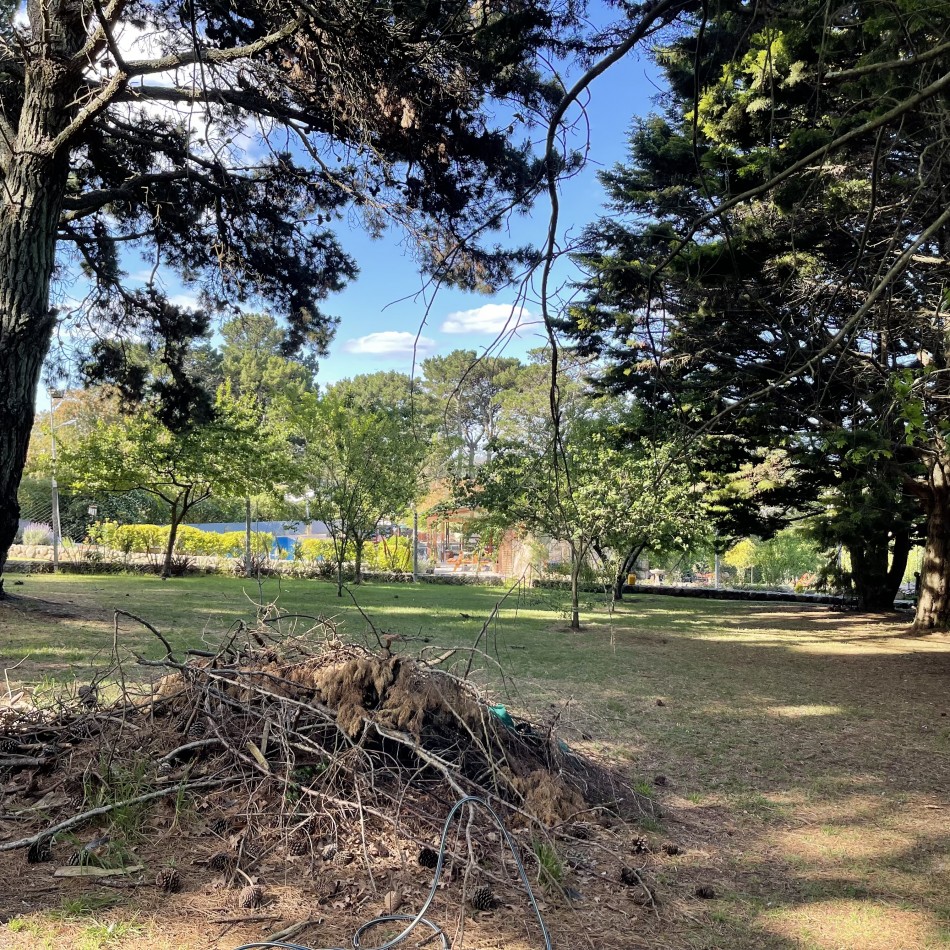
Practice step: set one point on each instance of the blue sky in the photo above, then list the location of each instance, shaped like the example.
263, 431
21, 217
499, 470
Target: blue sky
387, 315
384, 310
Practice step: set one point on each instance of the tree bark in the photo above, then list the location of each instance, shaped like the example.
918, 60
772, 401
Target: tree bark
34, 183
933, 605
576, 562
626, 566
358, 544
175, 520
339, 547
874, 585
899, 556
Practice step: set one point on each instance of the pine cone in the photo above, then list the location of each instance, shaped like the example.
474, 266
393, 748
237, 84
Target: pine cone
168, 879
299, 846
8, 745
197, 730
671, 848
705, 892
89, 696
220, 826
483, 898
342, 858
78, 858
640, 846
163, 768
329, 852
75, 793
251, 896
630, 877
39, 852
428, 858
221, 861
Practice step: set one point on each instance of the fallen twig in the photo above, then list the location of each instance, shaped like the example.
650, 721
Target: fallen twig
105, 809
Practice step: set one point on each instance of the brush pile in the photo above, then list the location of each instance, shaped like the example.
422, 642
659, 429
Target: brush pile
306, 746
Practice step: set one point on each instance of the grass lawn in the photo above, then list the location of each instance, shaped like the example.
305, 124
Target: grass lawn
806, 754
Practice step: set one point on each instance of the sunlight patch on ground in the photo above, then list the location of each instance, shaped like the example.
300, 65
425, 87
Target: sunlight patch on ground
875, 647
833, 844
796, 712
855, 925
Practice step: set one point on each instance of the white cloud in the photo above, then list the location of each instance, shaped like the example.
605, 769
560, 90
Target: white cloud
491, 318
190, 301
395, 343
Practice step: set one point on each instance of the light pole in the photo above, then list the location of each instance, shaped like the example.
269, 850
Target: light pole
415, 543
55, 394
308, 496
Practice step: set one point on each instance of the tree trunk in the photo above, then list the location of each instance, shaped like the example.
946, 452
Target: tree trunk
900, 554
339, 548
172, 538
576, 562
933, 605
34, 182
359, 560
626, 566
870, 575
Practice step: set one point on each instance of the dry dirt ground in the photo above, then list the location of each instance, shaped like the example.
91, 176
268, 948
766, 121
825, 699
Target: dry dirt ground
800, 759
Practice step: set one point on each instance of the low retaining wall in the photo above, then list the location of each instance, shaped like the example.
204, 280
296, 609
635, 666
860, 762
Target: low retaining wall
767, 596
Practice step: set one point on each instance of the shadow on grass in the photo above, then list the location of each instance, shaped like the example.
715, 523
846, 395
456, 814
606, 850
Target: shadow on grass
806, 751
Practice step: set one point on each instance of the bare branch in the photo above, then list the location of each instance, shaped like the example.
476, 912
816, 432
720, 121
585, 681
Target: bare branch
891, 64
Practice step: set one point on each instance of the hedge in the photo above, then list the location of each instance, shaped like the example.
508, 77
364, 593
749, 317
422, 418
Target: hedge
140, 538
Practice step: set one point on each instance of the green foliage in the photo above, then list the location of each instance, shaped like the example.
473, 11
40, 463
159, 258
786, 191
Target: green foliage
254, 360
779, 560
551, 869
322, 549
464, 392
360, 463
146, 538
234, 452
391, 554
767, 323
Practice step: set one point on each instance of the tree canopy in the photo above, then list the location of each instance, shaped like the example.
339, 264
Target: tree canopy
222, 142
229, 454
774, 268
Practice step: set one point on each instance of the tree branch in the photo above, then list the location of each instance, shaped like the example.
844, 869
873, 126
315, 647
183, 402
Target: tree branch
891, 64
145, 67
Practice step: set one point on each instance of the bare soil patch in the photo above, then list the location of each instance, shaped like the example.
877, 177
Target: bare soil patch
284, 783
804, 754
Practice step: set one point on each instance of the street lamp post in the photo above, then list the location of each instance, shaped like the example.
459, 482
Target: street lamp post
415, 543
55, 394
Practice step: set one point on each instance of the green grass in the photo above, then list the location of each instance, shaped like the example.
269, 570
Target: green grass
808, 745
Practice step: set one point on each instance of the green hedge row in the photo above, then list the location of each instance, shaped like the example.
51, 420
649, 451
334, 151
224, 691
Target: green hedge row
393, 554
140, 538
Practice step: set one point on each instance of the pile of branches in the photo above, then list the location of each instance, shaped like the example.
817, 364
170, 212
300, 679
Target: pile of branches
308, 742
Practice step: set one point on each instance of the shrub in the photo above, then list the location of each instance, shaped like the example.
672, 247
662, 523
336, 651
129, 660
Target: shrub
35, 533
321, 549
231, 543
390, 554
190, 540
138, 538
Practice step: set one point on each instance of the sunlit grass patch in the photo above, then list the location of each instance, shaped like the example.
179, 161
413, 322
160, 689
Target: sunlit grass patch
857, 925
807, 709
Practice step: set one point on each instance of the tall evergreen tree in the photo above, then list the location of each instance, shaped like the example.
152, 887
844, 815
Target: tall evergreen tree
220, 140
775, 269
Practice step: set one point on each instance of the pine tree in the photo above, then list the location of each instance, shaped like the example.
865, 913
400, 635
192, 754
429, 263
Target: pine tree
776, 271
222, 140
